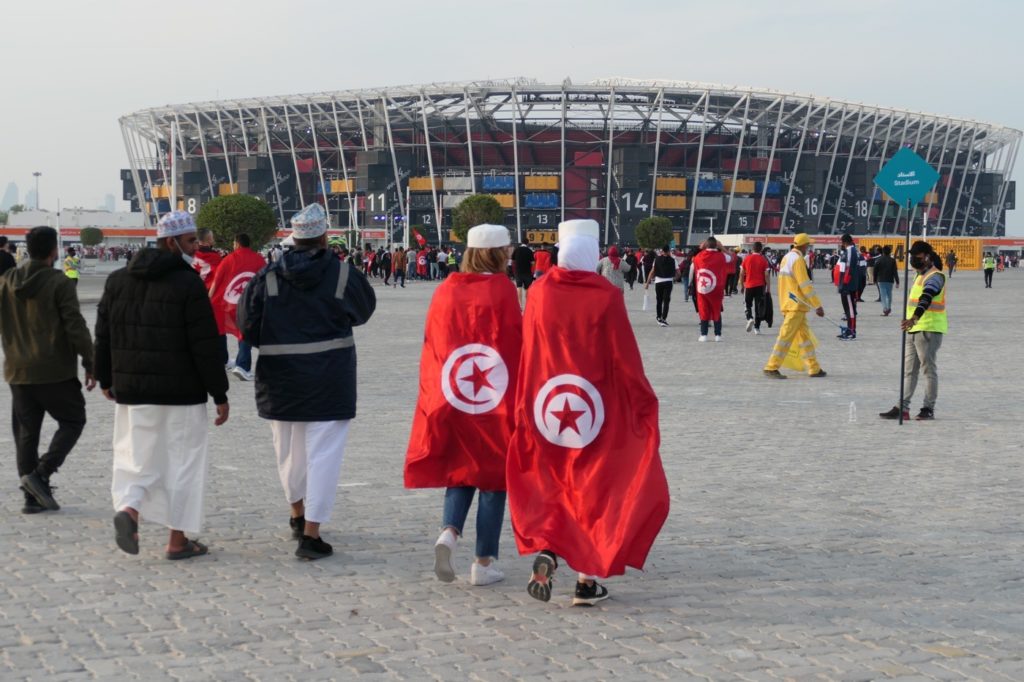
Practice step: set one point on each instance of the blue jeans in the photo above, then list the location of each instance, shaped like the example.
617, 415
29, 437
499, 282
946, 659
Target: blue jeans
244, 357
490, 514
885, 293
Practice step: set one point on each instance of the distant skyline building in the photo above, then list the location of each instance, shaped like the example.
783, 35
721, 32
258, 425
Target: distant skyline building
30, 199
108, 203
10, 196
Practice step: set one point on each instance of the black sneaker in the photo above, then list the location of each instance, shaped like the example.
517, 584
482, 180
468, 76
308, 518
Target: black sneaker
773, 374
819, 374
664, 323
894, 413
32, 505
313, 548
588, 595
543, 576
925, 414
40, 489
298, 525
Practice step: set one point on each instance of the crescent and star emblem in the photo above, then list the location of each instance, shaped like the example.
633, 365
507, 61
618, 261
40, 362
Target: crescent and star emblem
569, 411
706, 281
474, 378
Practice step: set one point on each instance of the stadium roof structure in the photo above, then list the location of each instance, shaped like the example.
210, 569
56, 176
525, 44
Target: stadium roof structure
369, 118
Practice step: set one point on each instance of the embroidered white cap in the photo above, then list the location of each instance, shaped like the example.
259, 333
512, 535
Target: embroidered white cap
309, 223
175, 223
487, 236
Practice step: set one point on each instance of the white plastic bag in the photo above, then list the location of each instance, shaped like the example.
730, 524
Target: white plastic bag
647, 303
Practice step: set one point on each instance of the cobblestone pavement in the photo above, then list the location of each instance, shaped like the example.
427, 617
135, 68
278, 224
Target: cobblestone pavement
800, 545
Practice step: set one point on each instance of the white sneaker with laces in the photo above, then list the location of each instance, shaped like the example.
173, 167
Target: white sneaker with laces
718, 339
702, 338
443, 549
485, 575
241, 373
750, 325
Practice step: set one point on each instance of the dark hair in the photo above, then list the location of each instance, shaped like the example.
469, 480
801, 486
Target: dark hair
846, 238
41, 242
665, 248
924, 248
3, 241
711, 242
71, 251
204, 233
312, 241
243, 240
758, 246
887, 250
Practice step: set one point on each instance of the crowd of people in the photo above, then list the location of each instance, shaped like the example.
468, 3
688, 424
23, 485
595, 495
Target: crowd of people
515, 404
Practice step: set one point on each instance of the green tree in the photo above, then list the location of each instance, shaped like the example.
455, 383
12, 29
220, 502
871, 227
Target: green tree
3, 217
90, 236
476, 210
17, 208
654, 232
233, 214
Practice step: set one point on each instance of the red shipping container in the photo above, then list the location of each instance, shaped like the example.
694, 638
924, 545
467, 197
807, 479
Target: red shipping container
588, 159
771, 223
760, 163
773, 205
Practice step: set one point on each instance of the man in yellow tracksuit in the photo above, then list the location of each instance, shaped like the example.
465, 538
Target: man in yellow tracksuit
793, 279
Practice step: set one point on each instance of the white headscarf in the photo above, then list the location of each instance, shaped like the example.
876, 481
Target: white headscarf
578, 247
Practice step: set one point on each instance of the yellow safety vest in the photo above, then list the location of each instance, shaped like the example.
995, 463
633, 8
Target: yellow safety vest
71, 267
988, 263
934, 319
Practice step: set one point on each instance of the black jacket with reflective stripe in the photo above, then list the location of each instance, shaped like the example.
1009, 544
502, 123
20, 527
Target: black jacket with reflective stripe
300, 312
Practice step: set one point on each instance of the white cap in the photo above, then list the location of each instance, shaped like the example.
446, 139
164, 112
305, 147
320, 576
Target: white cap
487, 236
583, 228
309, 223
175, 223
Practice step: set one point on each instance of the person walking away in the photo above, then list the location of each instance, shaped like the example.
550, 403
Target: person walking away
43, 334
988, 263
72, 265
796, 299
709, 271
926, 325
584, 475
300, 314
399, 262
464, 413
614, 269
7, 260
886, 274
631, 273
522, 267
755, 279
848, 285
662, 271
950, 262
541, 262
235, 271
385, 266
206, 258
157, 356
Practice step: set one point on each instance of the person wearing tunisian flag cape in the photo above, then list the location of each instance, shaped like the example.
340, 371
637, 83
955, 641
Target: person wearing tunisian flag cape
585, 480
463, 420
708, 272
226, 287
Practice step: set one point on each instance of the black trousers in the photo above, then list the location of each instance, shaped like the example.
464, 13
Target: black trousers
64, 402
988, 277
753, 297
662, 294
400, 275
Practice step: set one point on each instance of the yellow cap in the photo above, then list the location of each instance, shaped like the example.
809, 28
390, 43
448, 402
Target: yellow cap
801, 239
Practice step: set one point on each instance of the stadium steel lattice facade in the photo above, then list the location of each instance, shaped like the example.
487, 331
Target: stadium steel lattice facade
709, 157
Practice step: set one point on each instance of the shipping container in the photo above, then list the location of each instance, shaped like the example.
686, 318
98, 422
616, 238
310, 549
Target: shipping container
671, 184
709, 203
771, 223
542, 200
424, 184
453, 200
460, 183
760, 163
743, 203
541, 182
774, 187
506, 200
225, 189
741, 186
492, 183
710, 186
772, 205
670, 202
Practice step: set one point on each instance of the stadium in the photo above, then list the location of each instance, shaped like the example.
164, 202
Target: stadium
711, 158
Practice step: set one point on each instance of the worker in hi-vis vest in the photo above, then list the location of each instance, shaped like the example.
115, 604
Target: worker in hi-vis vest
925, 323
988, 264
72, 265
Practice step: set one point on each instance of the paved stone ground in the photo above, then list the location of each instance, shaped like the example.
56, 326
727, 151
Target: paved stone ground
800, 545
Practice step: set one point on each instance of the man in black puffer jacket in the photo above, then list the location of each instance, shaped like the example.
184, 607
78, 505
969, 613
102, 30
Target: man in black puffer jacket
158, 355
300, 312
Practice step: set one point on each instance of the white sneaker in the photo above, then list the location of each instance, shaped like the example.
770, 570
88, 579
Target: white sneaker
485, 575
750, 325
702, 338
229, 365
241, 373
443, 549
718, 339
757, 332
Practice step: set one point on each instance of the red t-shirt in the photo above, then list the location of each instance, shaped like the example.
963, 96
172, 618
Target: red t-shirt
754, 266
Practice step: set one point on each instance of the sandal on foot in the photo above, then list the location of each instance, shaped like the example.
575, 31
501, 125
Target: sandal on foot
193, 548
126, 532
543, 576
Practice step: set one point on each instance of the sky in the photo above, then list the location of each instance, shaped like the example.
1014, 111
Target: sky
71, 68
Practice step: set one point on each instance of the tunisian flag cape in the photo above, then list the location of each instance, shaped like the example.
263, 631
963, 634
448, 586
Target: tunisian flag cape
228, 283
584, 475
710, 268
468, 369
